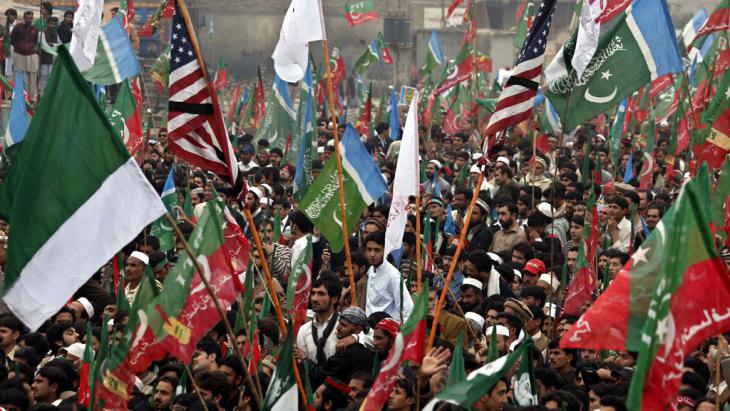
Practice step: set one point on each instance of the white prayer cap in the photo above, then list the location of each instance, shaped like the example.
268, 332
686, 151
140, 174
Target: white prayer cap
473, 282
259, 193
268, 188
550, 280
501, 330
331, 143
601, 137
546, 209
503, 159
476, 156
495, 258
265, 200
436, 163
320, 150
518, 273
141, 257
471, 315
75, 349
87, 306
475, 169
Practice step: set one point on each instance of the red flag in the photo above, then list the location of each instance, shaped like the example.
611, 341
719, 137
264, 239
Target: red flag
719, 20
660, 84
452, 7
612, 9
234, 102
253, 364
259, 108
584, 282
135, 139
541, 143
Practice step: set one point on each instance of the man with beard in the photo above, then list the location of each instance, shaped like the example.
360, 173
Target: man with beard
450, 325
471, 298
253, 198
383, 338
480, 235
434, 182
332, 395
164, 393
511, 233
316, 339
355, 358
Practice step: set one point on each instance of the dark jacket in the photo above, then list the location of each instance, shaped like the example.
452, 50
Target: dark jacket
480, 237
342, 365
64, 32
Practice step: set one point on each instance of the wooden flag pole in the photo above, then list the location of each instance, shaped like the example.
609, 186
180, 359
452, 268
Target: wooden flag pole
418, 241
200, 270
343, 215
450, 275
196, 387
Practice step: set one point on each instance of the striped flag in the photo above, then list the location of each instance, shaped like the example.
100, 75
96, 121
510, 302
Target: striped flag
515, 102
115, 59
195, 128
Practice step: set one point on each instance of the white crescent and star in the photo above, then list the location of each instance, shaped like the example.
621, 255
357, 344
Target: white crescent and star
605, 75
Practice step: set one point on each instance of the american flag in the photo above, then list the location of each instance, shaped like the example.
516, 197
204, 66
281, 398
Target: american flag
195, 128
515, 102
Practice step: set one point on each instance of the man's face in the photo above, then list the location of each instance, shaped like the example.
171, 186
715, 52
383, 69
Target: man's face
643, 200
518, 257
68, 19
435, 210
491, 317
460, 162
430, 170
457, 143
614, 266
231, 374
459, 202
241, 343
652, 218
571, 260
602, 263
506, 219
321, 301
133, 269
28, 18
163, 395
42, 390
398, 400
558, 359
576, 231
357, 390
382, 341
374, 253
470, 299
318, 397
614, 211
495, 400
202, 360
252, 202
345, 329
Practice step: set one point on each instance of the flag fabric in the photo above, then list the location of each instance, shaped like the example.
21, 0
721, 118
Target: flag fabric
84, 390
125, 115
408, 346
303, 22
525, 388
44, 267
160, 70
457, 71
195, 129
393, 116
86, 33
581, 288
549, 119
515, 102
166, 9
454, 4
306, 143
300, 285
279, 121
360, 12
367, 58
457, 373
306, 87
364, 125
19, 117
115, 58
234, 106
405, 183
384, 50
434, 55
640, 48
220, 80
161, 227
689, 32
678, 322
524, 16
362, 185
480, 381
588, 32
714, 149
719, 20
256, 109
282, 393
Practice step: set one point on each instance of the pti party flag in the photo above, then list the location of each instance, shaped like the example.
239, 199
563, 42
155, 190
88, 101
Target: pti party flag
480, 381
125, 115
195, 128
282, 394
408, 346
640, 48
303, 22
405, 183
581, 288
306, 143
115, 58
516, 100
86, 31
360, 12
44, 266
234, 106
434, 55
364, 125
524, 15
456, 71
717, 116
160, 70
256, 108
454, 4
384, 50
220, 80
84, 390
279, 121
719, 20
677, 321
19, 117
362, 184
161, 227
300, 285
689, 32
367, 58
166, 9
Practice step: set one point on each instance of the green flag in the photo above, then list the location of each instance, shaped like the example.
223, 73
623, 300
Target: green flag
279, 121
161, 227
457, 373
525, 390
527, 9
367, 58
282, 393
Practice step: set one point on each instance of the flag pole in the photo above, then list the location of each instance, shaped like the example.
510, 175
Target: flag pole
450, 275
255, 394
196, 387
418, 240
343, 215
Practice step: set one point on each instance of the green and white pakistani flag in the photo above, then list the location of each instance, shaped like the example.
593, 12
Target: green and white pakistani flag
161, 228
280, 118
481, 381
74, 194
362, 185
282, 394
640, 48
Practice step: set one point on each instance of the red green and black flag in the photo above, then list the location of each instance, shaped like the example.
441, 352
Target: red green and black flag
678, 321
360, 12
717, 116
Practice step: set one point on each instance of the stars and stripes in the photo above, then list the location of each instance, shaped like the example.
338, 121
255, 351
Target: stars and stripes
515, 102
196, 131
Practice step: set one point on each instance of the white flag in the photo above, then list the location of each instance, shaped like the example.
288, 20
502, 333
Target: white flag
405, 184
86, 30
303, 22
588, 32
